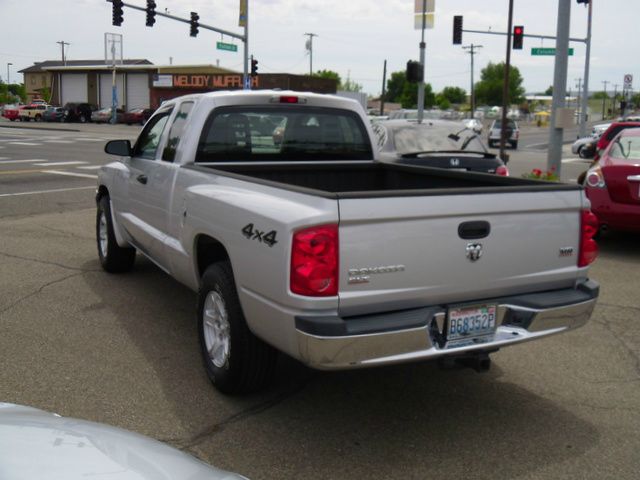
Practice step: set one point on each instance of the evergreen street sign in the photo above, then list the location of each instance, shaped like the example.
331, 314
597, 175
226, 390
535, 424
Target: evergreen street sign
229, 47
547, 51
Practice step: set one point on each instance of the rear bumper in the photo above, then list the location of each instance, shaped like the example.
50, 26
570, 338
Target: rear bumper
332, 343
618, 216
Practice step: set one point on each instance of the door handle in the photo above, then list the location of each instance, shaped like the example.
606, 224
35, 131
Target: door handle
142, 179
474, 230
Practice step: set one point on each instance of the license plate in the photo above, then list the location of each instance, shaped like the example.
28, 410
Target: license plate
471, 321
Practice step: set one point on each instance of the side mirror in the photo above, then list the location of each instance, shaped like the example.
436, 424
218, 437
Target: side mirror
122, 148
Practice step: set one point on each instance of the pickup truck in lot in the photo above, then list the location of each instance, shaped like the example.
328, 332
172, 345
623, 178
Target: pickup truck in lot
308, 245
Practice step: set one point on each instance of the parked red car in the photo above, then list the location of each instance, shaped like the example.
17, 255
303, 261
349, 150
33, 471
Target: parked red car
138, 115
610, 133
613, 184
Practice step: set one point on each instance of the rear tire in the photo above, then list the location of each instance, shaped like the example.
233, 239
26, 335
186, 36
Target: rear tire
113, 257
235, 359
514, 145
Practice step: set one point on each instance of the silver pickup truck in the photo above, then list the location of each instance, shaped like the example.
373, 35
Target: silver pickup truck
273, 206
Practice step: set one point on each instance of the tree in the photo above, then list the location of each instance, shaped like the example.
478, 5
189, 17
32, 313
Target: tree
395, 86
454, 95
409, 96
489, 88
600, 96
350, 86
330, 74
443, 102
549, 91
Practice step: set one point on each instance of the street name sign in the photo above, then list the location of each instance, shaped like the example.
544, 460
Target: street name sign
229, 47
547, 51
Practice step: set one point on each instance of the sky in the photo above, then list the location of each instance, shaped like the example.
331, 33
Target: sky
354, 37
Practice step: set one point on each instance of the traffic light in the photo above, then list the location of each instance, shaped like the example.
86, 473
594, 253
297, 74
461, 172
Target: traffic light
415, 74
254, 66
151, 13
518, 34
117, 12
194, 24
457, 30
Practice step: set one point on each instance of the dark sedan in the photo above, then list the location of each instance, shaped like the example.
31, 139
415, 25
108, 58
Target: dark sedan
435, 143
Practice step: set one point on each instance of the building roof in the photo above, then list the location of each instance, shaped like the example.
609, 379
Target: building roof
43, 66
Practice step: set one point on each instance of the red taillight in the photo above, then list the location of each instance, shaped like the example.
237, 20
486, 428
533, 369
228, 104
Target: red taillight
588, 246
288, 99
314, 261
502, 170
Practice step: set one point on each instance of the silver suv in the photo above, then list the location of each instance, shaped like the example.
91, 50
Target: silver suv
512, 133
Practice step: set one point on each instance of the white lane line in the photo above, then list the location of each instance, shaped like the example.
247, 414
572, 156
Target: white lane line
59, 141
85, 139
70, 174
26, 144
3, 162
4, 158
92, 167
59, 164
575, 160
46, 191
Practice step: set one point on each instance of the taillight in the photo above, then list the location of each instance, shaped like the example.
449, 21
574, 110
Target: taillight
502, 170
314, 261
588, 246
595, 178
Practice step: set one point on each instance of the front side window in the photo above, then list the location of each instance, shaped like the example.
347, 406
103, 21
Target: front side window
283, 132
149, 139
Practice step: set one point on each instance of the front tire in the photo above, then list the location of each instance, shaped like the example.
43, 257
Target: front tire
113, 257
235, 359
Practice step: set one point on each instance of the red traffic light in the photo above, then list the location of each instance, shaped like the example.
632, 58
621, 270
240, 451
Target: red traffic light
518, 36
517, 30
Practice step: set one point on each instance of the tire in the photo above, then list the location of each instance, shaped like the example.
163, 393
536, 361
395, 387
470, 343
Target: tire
514, 145
82, 118
38, 118
491, 144
113, 258
583, 152
235, 360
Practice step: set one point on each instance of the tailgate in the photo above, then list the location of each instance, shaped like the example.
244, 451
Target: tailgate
392, 261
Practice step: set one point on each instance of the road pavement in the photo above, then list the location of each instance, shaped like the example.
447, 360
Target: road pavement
122, 349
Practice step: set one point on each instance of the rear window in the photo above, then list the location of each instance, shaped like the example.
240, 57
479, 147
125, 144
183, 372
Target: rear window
626, 148
283, 132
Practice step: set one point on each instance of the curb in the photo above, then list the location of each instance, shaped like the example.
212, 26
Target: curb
41, 128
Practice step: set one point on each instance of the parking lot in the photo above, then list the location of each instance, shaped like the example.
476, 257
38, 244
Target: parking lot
123, 350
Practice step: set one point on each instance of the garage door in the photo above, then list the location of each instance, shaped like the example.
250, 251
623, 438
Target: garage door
137, 90
105, 89
74, 87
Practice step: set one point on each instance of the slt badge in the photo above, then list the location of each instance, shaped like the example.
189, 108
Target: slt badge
474, 251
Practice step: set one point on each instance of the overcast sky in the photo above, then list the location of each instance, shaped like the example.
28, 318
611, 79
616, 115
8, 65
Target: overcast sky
354, 37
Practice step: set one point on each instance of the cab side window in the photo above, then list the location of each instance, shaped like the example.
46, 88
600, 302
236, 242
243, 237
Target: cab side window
147, 144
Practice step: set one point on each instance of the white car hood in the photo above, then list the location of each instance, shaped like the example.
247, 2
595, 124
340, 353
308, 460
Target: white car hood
35, 444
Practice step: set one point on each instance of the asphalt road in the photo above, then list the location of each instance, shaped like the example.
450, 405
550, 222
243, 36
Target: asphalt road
122, 349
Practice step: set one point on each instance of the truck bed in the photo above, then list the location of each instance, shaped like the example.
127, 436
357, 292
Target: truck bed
377, 179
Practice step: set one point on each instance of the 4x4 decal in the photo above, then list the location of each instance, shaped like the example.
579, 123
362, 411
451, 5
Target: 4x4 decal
251, 233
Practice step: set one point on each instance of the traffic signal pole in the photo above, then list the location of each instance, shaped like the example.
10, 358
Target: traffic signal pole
585, 93
243, 38
422, 59
505, 88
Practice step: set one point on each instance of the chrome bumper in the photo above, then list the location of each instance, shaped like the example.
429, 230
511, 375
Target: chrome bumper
519, 319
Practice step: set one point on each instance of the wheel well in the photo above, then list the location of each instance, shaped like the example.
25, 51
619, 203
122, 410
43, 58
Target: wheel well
102, 192
208, 251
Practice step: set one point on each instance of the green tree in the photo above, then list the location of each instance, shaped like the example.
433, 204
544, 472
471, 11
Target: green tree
600, 95
395, 86
350, 86
635, 100
330, 74
549, 91
409, 96
455, 95
489, 88
443, 102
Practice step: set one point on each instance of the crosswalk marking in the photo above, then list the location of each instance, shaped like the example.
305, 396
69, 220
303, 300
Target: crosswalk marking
26, 144
91, 167
70, 174
59, 141
59, 164
57, 190
2, 161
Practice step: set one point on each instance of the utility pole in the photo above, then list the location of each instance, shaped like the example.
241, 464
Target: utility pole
422, 60
472, 51
604, 97
309, 46
585, 93
384, 82
62, 43
579, 103
8, 76
554, 154
615, 94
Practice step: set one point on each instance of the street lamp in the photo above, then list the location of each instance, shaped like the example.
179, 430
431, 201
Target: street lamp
8, 77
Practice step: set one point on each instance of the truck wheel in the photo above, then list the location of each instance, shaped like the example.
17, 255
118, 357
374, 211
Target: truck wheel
235, 359
113, 257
